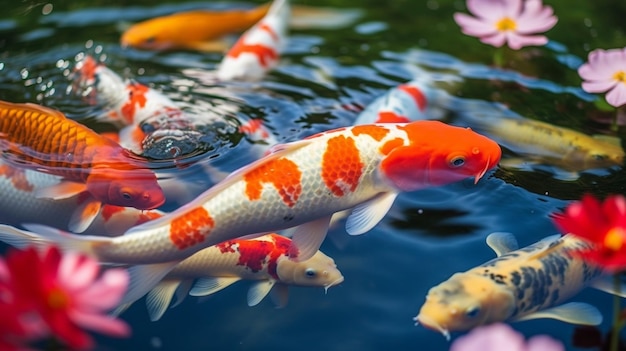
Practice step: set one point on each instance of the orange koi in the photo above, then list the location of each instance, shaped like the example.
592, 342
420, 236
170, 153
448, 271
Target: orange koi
37, 137
192, 30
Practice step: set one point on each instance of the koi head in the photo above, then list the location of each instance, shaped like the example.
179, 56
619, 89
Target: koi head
319, 270
136, 188
153, 34
463, 302
439, 154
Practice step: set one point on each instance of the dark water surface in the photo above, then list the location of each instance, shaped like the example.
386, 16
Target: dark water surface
427, 236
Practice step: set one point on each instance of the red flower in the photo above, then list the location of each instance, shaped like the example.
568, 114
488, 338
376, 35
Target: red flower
63, 295
603, 225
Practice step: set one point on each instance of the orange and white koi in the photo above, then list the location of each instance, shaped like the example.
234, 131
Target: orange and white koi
264, 260
258, 49
37, 137
19, 204
301, 184
411, 101
532, 282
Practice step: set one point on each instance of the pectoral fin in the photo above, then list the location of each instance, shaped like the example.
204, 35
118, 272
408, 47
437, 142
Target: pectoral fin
607, 285
84, 215
62, 190
502, 242
280, 295
159, 298
574, 312
182, 291
220, 45
366, 215
307, 239
208, 286
258, 291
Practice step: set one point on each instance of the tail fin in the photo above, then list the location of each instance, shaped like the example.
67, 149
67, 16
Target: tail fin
42, 235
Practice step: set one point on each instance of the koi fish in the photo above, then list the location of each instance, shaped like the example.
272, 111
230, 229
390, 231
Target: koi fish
19, 204
301, 184
34, 136
258, 49
192, 30
411, 101
544, 143
532, 282
203, 30
264, 260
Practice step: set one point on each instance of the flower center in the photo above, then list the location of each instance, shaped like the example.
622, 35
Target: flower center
506, 24
614, 239
620, 76
57, 299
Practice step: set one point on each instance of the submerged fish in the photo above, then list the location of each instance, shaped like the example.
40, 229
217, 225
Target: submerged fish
544, 143
532, 282
195, 30
37, 137
258, 49
302, 184
19, 204
264, 260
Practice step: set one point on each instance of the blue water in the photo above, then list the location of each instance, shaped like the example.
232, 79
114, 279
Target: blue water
427, 236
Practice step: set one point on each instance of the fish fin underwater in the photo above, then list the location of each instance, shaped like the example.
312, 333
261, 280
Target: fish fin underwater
259, 290
41, 235
160, 297
143, 278
366, 215
208, 286
607, 285
307, 238
62, 190
579, 313
84, 215
502, 243
280, 295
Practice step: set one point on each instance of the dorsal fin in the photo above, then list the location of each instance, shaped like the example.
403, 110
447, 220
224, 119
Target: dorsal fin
502, 242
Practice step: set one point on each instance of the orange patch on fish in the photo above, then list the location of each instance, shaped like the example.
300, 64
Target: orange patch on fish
17, 177
269, 30
341, 165
136, 99
147, 216
187, 230
416, 94
391, 117
376, 132
262, 52
390, 145
108, 211
282, 173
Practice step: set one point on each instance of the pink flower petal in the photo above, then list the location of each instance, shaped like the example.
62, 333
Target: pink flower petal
517, 41
101, 323
496, 40
512, 8
595, 72
617, 96
105, 293
544, 343
487, 9
598, 87
77, 271
495, 337
530, 23
473, 26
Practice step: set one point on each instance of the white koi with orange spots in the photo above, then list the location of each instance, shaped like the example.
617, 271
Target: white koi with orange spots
264, 260
258, 49
302, 184
20, 203
410, 101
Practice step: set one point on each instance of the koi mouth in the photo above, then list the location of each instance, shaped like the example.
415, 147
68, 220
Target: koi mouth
333, 283
482, 173
431, 324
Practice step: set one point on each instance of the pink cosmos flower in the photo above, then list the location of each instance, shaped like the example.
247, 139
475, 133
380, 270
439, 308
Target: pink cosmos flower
605, 70
511, 22
63, 294
602, 224
500, 336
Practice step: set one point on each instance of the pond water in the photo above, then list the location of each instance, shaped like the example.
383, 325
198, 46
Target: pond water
323, 78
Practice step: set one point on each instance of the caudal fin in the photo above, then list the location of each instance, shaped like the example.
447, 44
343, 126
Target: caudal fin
41, 235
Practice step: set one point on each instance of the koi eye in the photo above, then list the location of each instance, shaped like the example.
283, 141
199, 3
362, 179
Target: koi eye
150, 40
599, 157
126, 195
457, 161
472, 312
310, 272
